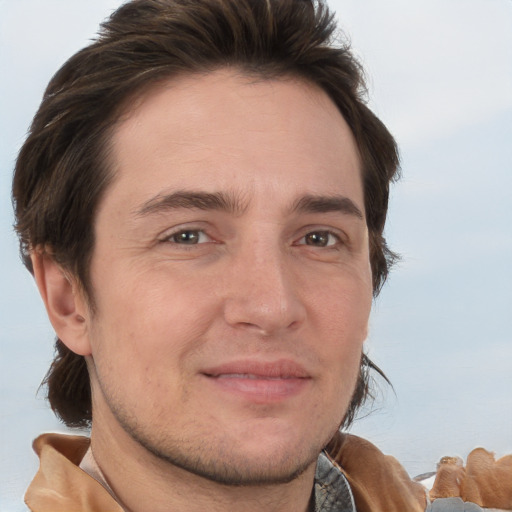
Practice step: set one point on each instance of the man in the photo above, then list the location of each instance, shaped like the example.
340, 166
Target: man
201, 200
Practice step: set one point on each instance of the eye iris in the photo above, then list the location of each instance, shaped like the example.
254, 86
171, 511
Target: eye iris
320, 239
186, 237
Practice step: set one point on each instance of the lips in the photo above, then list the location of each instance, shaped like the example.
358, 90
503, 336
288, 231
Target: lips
249, 376
259, 382
281, 369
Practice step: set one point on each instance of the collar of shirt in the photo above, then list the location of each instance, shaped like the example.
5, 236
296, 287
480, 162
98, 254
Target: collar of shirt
331, 490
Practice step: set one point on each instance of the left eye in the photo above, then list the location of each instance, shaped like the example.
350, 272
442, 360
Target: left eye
188, 237
320, 239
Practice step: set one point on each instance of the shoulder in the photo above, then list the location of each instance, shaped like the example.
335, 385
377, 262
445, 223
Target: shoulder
380, 483
60, 484
482, 481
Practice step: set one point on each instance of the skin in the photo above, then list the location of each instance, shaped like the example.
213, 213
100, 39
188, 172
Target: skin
232, 291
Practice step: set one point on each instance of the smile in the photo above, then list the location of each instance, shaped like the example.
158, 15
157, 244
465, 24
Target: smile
250, 376
259, 382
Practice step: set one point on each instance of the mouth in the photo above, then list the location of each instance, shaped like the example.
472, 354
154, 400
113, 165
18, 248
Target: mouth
249, 376
259, 382
280, 369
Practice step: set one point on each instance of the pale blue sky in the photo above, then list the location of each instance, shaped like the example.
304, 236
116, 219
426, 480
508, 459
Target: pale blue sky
440, 76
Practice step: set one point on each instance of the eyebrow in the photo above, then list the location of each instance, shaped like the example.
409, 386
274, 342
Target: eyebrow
325, 204
221, 201
232, 203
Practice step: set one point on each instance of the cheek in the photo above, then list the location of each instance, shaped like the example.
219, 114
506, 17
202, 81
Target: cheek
341, 323
342, 308
148, 317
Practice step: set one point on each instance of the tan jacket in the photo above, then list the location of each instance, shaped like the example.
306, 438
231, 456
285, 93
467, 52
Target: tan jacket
379, 483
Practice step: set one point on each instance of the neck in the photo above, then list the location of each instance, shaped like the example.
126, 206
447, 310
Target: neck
141, 481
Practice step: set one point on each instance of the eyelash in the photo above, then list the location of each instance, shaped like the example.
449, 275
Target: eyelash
172, 237
199, 233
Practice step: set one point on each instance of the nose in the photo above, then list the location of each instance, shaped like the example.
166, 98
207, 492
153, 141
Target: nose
262, 292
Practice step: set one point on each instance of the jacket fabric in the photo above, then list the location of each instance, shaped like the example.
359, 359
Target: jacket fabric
352, 476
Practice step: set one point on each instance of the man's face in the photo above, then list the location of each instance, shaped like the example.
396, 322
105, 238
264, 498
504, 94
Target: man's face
231, 277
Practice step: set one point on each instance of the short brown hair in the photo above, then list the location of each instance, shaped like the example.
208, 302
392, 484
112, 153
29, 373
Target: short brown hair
61, 171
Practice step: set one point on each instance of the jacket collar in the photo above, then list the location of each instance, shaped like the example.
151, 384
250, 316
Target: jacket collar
376, 483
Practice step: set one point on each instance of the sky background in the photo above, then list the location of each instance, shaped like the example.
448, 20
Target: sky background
440, 77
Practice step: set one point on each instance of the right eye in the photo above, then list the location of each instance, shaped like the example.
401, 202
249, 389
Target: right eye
188, 237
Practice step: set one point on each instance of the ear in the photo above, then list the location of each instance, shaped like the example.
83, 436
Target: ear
66, 307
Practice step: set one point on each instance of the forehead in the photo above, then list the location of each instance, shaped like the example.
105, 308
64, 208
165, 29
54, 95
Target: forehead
225, 130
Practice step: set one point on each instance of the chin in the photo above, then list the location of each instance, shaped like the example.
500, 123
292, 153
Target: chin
232, 469
262, 461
